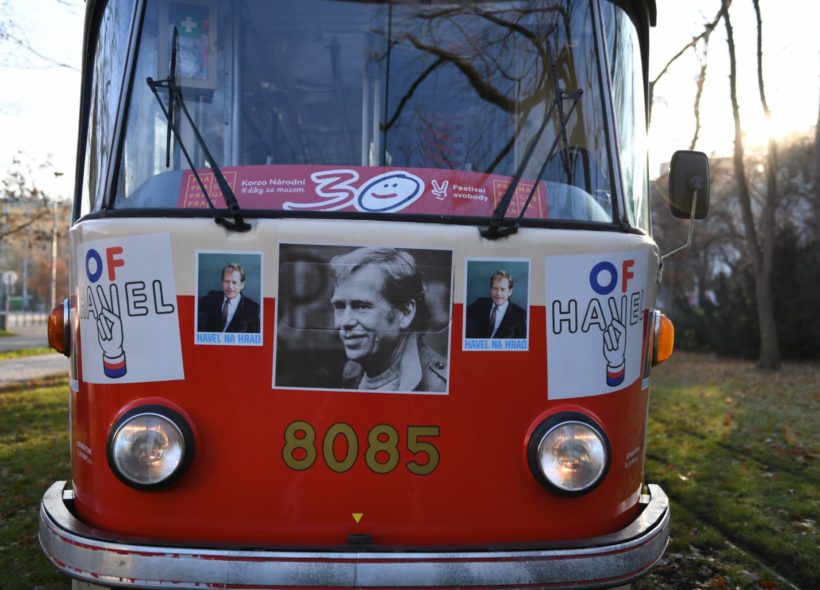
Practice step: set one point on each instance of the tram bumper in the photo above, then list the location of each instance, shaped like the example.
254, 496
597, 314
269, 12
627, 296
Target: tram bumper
91, 555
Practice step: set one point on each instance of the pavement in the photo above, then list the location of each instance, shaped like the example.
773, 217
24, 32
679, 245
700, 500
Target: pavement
32, 335
29, 367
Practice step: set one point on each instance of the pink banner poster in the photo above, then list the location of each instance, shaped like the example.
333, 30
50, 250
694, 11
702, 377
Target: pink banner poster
420, 191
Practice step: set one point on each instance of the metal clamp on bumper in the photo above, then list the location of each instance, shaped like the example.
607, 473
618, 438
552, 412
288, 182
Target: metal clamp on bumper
89, 554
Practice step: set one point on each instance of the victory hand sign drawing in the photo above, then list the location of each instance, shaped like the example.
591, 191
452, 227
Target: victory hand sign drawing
615, 344
109, 335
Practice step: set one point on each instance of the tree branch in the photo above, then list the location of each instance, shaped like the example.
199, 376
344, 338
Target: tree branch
35, 217
700, 84
704, 35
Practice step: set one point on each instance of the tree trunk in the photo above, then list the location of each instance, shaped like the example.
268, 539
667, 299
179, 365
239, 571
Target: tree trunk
770, 345
760, 248
816, 199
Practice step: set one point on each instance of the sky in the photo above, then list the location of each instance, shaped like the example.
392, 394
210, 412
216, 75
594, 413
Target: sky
791, 68
39, 102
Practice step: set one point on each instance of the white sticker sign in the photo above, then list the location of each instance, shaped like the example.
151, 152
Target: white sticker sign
595, 311
128, 310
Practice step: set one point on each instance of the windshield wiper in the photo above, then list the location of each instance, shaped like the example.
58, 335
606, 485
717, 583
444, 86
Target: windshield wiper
495, 229
175, 97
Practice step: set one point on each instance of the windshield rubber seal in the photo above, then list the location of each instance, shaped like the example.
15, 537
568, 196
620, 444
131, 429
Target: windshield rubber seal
258, 214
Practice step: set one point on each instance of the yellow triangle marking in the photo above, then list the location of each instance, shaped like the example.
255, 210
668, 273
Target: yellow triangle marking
357, 516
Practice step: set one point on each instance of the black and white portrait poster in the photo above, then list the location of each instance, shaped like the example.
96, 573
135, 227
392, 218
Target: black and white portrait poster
363, 318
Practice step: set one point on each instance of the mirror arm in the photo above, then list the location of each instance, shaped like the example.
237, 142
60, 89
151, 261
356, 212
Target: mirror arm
696, 183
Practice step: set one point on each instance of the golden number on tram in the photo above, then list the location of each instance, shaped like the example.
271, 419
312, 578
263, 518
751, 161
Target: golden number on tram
416, 446
349, 434
382, 454
299, 461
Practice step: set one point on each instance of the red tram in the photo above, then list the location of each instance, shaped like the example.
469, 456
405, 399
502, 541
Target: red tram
363, 295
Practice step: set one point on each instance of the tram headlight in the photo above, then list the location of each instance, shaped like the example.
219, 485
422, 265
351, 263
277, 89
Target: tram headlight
150, 447
568, 454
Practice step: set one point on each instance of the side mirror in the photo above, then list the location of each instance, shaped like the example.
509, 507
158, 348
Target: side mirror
689, 177
688, 190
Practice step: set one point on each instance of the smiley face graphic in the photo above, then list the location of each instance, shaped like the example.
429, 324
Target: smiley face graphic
392, 191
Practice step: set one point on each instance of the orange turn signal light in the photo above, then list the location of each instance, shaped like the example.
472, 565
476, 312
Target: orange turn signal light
58, 331
664, 339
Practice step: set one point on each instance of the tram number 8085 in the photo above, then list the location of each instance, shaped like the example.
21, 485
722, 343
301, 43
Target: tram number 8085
381, 455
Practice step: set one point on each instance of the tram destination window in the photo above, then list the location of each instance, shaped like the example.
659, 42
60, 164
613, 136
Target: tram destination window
425, 109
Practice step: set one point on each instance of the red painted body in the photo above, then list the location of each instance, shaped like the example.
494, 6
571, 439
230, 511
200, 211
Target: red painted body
239, 489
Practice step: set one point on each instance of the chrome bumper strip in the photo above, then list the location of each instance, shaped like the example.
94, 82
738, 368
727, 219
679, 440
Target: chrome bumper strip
88, 554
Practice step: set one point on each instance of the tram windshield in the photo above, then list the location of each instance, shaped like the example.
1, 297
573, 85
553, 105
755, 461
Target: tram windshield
425, 109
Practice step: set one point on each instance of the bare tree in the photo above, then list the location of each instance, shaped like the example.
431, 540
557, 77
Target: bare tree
759, 244
23, 204
693, 44
816, 176
29, 223
12, 32
691, 271
701, 82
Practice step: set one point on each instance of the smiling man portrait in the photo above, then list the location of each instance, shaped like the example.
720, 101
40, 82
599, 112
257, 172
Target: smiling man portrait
380, 313
363, 318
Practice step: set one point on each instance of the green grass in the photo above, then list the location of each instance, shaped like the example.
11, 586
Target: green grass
16, 354
736, 450
33, 454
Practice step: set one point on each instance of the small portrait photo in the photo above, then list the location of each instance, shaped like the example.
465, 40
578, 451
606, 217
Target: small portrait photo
363, 318
496, 308
229, 296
